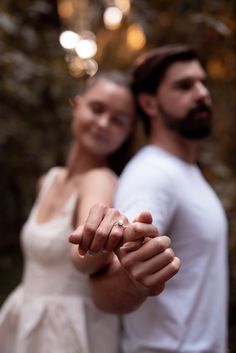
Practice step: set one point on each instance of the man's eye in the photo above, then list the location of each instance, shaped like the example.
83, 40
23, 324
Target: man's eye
185, 86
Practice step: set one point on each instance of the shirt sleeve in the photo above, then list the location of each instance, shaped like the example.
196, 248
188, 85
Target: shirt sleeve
147, 189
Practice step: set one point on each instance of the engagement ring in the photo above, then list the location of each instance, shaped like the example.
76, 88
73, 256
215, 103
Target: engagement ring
119, 223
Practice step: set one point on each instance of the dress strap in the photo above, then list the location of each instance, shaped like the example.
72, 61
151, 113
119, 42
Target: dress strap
47, 182
46, 185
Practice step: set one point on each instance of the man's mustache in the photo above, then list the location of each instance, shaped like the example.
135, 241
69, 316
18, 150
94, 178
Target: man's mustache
201, 108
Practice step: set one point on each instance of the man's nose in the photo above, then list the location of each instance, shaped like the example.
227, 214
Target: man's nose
201, 91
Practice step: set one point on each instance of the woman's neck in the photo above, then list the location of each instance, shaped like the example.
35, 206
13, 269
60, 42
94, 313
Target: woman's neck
80, 161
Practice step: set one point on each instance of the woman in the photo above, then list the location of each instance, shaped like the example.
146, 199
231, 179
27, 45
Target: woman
51, 311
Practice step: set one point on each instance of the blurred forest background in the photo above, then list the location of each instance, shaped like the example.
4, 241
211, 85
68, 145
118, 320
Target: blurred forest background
38, 77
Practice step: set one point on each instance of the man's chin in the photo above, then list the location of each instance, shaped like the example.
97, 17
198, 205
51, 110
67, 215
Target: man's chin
196, 134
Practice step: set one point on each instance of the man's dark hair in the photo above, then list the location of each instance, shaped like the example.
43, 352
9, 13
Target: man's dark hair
150, 68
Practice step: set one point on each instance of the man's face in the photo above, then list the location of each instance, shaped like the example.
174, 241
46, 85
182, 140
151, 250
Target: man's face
183, 100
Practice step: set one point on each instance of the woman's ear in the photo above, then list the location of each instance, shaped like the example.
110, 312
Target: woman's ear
75, 101
147, 102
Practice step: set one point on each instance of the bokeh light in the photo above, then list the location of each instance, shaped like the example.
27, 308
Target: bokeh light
65, 8
91, 67
112, 17
136, 39
69, 39
86, 48
76, 67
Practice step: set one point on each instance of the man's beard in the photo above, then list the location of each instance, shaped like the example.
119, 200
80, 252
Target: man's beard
190, 126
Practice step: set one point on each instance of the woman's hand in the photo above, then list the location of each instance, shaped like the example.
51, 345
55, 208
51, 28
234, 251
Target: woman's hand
106, 229
146, 257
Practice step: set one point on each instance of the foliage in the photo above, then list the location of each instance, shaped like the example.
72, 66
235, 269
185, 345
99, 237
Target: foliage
34, 90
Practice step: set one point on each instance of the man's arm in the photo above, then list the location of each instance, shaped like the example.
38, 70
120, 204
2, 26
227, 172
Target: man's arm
114, 292
123, 288
133, 274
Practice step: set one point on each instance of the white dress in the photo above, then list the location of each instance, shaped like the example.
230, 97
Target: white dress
51, 311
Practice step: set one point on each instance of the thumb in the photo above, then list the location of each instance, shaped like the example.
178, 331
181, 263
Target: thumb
141, 228
144, 217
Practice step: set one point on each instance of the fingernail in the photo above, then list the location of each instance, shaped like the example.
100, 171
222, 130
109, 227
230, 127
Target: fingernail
82, 253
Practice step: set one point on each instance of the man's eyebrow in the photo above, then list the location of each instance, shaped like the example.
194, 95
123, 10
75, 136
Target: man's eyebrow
182, 80
187, 79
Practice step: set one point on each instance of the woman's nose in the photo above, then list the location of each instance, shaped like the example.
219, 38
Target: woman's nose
103, 121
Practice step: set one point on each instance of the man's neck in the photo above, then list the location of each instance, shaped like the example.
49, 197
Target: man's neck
180, 147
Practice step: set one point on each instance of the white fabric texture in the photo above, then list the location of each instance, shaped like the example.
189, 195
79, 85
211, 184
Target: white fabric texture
51, 311
190, 316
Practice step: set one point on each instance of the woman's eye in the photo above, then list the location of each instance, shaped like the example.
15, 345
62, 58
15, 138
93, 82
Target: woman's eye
97, 108
120, 120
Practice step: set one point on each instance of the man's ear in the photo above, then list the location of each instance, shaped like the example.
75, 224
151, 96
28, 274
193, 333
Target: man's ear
147, 102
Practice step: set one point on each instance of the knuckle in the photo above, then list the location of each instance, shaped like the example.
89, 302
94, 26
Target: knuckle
127, 263
162, 243
138, 228
89, 228
114, 212
167, 240
147, 282
175, 265
137, 275
169, 254
157, 290
116, 234
101, 234
153, 285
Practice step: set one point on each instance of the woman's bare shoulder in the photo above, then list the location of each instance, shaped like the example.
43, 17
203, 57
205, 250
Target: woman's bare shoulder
101, 173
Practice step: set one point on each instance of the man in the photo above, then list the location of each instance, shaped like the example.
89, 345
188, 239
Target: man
190, 315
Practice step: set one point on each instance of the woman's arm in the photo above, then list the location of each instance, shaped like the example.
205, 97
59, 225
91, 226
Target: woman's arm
96, 186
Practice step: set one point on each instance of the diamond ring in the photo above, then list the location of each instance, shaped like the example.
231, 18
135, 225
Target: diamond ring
119, 223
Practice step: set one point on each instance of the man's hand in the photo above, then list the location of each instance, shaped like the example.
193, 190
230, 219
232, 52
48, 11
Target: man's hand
150, 262
146, 256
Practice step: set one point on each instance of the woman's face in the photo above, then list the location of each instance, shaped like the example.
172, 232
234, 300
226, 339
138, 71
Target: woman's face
103, 117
